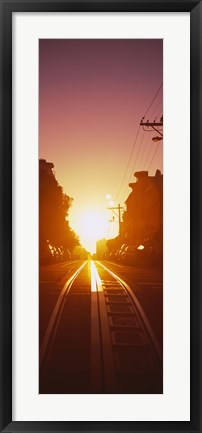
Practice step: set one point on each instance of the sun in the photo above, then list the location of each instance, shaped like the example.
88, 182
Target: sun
92, 226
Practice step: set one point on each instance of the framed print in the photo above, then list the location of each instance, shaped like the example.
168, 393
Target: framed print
100, 199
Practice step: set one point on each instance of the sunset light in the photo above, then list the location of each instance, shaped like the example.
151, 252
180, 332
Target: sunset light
100, 216
108, 196
91, 225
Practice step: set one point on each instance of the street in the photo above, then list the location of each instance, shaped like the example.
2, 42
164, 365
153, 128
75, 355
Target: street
100, 328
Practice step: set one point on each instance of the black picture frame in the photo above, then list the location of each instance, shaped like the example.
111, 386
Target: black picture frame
7, 7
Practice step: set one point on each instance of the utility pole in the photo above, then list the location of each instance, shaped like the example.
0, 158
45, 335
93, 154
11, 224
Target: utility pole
115, 208
149, 126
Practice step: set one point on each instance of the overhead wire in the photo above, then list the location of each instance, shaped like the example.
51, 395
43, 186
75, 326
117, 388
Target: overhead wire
132, 171
127, 166
159, 112
155, 108
156, 113
124, 193
146, 144
134, 165
153, 99
147, 157
154, 155
138, 152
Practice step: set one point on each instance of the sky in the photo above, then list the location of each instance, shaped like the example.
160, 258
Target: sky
92, 97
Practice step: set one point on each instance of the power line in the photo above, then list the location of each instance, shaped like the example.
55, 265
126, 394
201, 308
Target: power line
147, 157
146, 143
123, 195
154, 155
126, 170
156, 106
134, 165
124, 176
133, 169
159, 112
153, 99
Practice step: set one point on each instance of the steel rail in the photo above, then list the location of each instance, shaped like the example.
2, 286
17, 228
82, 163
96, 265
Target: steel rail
106, 369
146, 324
55, 317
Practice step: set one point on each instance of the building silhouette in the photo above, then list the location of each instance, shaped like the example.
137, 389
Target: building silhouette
143, 218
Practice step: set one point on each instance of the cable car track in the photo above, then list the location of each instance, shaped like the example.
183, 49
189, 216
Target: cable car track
140, 311
129, 348
124, 354
55, 317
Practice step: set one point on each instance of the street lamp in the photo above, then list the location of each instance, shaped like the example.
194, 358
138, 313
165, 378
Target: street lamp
156, 139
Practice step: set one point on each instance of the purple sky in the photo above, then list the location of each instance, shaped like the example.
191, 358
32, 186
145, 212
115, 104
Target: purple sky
92, 96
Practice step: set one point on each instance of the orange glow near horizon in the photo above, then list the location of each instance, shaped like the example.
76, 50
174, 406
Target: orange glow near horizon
93, 94
91, 225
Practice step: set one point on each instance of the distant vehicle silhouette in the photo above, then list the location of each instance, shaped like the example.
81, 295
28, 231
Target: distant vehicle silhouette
128, 254
46, 253
112, 254
120, 252
142, 255
66, 254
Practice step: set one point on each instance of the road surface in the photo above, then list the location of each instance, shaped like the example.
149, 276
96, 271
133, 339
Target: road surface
100, 328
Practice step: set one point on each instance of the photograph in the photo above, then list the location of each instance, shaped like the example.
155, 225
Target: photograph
100, 216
